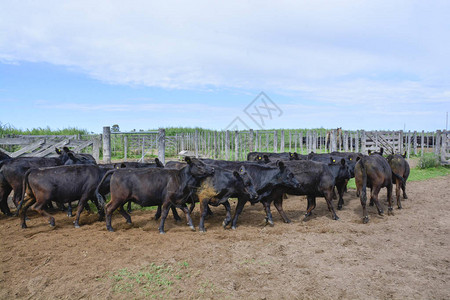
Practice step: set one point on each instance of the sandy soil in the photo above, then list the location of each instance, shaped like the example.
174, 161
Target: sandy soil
406, 256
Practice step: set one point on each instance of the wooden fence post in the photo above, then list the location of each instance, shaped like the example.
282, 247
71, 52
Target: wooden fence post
301, 141
125, 147
275, 141
251, 141
408, 146
106, 145
346, 141
290, 140
236, 145
444, 146
357, 141
415, 142
196, 143
282, 141
162, 145
422, 140
295, 141
96, 147
363, 142
437, 143
227, 145
333, 140
314, 141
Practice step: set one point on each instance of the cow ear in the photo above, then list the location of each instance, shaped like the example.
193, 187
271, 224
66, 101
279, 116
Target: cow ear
266, 158
71, 156
242, 170
188, 160
280, 165
122, 165
369, 152
382, 150
236, 174
358, 158
404, 155
296, 155
332, 160
58, 151
343, 161
67, 150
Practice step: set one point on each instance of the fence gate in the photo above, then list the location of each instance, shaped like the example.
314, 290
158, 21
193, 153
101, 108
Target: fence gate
44, 145
391, 141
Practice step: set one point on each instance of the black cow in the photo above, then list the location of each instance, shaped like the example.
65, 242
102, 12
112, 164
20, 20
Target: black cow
154, 186
373, 171
13, 170
265, 178
340, 182
60, 184
258, 156
400, 173
224, 184
315, 179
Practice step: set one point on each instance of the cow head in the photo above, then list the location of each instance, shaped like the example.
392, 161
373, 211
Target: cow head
198, 168
286, 177
77, 160
247, 183
344, 171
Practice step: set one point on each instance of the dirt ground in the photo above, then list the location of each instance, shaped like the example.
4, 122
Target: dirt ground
406, 256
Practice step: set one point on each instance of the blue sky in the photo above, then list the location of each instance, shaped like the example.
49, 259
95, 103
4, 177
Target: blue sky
144, 65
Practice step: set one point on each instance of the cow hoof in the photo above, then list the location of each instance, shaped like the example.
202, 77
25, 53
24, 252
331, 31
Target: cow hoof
192, 228
162, 232
110, 229
339, 207
24, 226
336, 218
371, 204
77, 226
128, 221
366, 220
390, 211
70, 215
202, 230
9, 214
233, 227
400, 207
52, 223
404, 196
287, 221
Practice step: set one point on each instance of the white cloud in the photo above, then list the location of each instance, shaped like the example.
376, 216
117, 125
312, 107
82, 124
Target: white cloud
259, 45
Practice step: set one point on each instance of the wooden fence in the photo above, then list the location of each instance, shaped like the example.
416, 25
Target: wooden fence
230, 145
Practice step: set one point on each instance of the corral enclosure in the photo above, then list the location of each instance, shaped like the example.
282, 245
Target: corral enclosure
229, 145
404, 256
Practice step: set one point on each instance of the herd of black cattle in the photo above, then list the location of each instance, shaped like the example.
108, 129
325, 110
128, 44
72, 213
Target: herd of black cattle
264, 177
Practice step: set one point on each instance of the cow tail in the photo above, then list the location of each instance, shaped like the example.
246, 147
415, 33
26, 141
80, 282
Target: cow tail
364, 181
400, 178
101, 202
24, 189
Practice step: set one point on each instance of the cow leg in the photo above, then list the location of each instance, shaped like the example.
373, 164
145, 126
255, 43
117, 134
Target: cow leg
203, 213
5, 190
228, 215
374, 198
158, 212
397, 192
268, 219
340, 188
129, 210
188, 217
311, 205
124, 214
165, 211
175, 214
110, 207
39, 208
371, 197
363, 199
328, 199
404, 190
278, 203
389, 196
69, 209
28, 201
239, 207
81, 204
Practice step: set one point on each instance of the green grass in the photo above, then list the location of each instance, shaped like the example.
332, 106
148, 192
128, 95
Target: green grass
11, 130
153, 281
417, 174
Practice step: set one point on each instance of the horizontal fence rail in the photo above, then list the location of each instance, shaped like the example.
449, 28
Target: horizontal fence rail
229, 145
